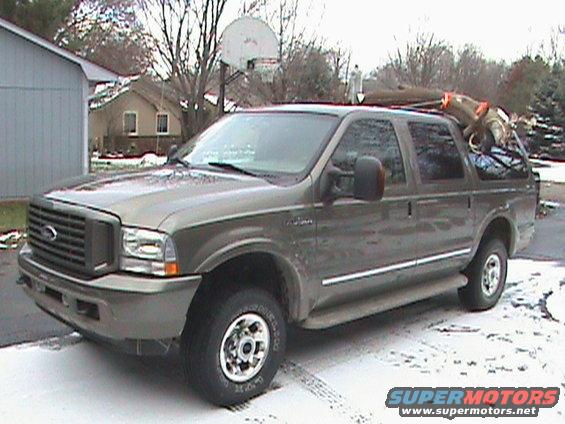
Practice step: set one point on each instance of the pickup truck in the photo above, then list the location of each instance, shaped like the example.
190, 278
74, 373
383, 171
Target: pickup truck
305, 215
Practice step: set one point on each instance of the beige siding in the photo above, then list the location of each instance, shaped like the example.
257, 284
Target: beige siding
108, 121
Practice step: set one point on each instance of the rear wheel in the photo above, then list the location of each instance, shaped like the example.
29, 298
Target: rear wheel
486, 275
232, 351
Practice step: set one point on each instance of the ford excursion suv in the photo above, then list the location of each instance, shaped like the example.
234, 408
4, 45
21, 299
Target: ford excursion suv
310, 215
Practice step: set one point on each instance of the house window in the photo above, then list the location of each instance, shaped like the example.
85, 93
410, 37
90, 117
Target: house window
162, 123
130, 123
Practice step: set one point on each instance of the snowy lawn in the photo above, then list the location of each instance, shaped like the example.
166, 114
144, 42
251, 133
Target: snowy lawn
119, 164
12, 215
340, 375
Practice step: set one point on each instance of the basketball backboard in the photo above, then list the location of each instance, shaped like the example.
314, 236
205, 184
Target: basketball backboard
248, 41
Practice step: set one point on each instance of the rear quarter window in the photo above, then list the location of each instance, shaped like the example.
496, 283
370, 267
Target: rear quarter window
500, 163
436, 152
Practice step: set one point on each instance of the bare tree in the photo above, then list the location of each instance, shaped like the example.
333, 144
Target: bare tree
109, 33
424, 62
308, 69
186, 40
555, 47
340, 60
282, 16
476, 76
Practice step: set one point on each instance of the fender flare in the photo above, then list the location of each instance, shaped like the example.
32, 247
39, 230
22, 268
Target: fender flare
501, 212
294, 276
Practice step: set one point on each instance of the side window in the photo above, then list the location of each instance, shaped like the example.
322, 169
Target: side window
436, 152
130, 123
369, 137
501, 163
162, 123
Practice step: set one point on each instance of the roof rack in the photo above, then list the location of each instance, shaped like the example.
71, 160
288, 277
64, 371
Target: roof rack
412, 108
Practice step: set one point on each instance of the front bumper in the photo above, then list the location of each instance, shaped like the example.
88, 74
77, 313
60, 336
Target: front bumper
118, 308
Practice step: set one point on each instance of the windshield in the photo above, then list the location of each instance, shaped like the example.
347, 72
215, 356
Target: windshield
261, 143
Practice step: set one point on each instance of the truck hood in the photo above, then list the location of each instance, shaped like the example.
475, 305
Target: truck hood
147, 198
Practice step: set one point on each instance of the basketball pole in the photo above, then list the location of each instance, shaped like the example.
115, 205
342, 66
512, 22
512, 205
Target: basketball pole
222, 93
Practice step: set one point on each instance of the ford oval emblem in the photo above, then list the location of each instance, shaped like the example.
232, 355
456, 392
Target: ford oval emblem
48, 233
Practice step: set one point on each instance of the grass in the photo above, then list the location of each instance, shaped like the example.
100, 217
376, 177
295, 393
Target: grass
13, 215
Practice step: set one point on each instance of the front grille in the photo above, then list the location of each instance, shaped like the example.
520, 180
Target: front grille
69, 244
72, 238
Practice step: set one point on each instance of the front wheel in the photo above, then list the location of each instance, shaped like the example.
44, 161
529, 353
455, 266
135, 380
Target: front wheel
233, 352
486, 275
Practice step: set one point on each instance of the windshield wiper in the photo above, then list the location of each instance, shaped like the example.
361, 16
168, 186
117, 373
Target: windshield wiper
231, 167
175, 159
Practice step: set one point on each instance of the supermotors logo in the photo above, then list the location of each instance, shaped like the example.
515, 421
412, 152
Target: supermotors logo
451, 402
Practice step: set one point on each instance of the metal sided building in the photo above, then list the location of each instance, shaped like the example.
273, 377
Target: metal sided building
43, 112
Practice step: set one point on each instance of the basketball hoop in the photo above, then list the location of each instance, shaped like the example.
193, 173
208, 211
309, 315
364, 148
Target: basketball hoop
265, 68
248, 46
247, 41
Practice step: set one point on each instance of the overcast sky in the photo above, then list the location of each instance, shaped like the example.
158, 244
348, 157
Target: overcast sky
502, 29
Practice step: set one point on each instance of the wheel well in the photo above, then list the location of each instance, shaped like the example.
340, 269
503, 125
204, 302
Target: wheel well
499, 228
257, 269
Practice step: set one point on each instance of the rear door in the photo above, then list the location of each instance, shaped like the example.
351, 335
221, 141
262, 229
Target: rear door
443, 204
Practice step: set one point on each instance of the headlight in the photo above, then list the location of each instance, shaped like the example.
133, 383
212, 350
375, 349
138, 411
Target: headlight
148, 252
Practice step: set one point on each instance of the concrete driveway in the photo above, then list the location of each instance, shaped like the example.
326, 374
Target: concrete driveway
20, 319
340, 375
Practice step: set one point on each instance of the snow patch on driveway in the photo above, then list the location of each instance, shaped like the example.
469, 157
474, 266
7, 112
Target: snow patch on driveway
339, 375
555, 303
549, 170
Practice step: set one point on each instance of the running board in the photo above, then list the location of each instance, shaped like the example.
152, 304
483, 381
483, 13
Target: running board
365, 307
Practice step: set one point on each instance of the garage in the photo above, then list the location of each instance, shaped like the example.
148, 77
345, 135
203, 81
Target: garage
43, 112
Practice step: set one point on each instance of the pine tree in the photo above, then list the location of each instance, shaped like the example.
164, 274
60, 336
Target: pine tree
523, 77
41, 17
548, 113
107, 32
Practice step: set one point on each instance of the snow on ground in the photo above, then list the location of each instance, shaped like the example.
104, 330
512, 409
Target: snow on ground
550, 170
115, 164
339, 375
11, 239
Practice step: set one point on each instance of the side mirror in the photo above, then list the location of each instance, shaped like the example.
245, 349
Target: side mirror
172, 152
369, 179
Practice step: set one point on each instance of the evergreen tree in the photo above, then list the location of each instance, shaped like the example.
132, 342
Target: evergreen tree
548, 113
107, 32
41, 17
521, 83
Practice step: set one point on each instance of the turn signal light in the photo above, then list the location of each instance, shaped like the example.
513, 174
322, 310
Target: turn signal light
171, 269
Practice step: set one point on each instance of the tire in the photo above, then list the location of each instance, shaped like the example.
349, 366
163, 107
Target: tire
491, 259
206, 333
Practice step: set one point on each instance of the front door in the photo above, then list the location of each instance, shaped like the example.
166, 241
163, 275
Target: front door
362, 246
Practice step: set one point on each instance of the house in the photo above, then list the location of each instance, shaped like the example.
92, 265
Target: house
43, 112
133, 116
